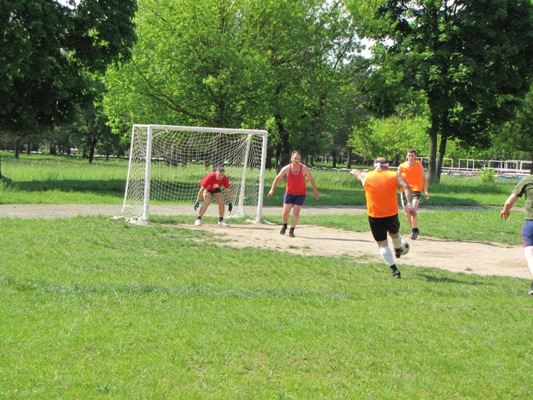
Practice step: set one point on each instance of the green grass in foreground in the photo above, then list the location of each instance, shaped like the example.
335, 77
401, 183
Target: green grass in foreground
93, 307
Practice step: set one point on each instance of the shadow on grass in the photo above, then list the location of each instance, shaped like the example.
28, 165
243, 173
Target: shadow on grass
442, 279
114, 186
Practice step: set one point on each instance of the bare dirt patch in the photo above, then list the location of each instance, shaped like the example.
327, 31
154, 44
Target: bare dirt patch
468, 257
480, 258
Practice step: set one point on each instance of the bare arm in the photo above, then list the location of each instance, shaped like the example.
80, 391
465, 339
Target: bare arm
408, 193
228, 194
278, 178
509, 203
426, 190
200, 193
359, 175
309, 176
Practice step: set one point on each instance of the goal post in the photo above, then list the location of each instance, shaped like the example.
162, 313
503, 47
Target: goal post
167, 163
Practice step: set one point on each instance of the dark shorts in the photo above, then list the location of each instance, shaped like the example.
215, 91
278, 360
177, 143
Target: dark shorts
527, 233
217, 190
381, 226
297, 200
416, 195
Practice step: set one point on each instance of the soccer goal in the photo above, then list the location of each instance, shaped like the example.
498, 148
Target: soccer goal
167, 163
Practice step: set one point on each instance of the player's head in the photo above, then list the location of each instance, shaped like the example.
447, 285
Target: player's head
296, 157
220, 172
411, 154
381, 163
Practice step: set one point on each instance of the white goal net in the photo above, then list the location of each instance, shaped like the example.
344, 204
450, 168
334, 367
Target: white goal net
167, 163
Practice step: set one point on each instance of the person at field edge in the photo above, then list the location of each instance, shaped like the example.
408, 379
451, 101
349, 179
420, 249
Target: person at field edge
413, 173
210, 187
295, 191
525, 186
381, 187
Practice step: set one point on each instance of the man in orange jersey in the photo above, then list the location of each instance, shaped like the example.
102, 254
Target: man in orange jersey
295, 191
413, 173
381, 188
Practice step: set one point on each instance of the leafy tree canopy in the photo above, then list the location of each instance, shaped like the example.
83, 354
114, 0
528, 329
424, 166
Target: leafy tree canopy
472, 59
50, 50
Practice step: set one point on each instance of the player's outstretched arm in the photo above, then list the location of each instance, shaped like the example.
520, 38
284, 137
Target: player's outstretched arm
278, 178
509, 203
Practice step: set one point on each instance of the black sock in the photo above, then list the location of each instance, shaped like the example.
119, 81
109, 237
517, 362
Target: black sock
285, 226
292, 229
393, 268
220, 219
199, 217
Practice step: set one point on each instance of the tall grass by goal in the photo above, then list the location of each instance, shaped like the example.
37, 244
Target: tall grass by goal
167, 163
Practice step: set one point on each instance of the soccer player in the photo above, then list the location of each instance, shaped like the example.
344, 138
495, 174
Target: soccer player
295, 191
381, 187
413, 173
525, 186
210, 187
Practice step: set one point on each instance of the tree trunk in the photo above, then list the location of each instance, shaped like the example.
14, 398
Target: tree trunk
17, 148
94, 142
442, 150
349, 158
285, 151
433, 137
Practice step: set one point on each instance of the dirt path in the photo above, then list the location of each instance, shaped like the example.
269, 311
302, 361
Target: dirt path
480, 258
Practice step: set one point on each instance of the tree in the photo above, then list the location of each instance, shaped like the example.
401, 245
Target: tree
47, 50
471, 59
239, 63
518, 133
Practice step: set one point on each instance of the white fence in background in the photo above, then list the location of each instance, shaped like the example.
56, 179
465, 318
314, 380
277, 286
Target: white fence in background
472, 167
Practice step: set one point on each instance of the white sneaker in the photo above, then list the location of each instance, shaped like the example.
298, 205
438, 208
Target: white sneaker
223, 223
198, 222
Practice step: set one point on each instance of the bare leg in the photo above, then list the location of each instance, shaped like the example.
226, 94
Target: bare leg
286, 213
207, 202
528, 251
295, 215
220, 200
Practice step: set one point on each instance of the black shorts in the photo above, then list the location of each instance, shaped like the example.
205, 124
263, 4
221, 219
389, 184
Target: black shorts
381, 226
217, 190
416, 196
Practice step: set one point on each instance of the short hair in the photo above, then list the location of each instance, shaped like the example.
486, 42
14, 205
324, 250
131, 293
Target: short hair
219, 169
411, 150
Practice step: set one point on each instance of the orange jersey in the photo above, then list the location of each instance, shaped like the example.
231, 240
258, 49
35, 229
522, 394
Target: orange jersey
381, 188
413, 175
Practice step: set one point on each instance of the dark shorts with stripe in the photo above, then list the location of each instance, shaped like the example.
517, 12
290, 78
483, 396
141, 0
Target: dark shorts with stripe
381, 226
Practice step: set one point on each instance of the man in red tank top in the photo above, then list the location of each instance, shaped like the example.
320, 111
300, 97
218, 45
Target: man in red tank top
381, 188
295, 190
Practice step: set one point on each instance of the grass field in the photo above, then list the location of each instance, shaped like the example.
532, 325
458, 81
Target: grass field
96, 308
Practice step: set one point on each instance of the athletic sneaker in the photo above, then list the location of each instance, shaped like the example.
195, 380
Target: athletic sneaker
222, 223
198, 222
283, 230
415, 233
398, 252
396, 275
291, 233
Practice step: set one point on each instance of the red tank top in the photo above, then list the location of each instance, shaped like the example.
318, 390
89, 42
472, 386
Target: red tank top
296, 182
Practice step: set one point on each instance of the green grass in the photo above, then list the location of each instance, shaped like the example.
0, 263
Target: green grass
94, 307
42, 179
